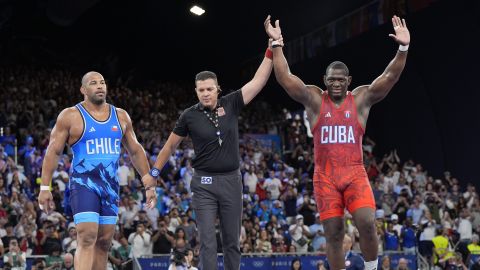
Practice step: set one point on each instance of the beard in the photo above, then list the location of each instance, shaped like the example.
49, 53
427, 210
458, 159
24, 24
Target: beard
97, 100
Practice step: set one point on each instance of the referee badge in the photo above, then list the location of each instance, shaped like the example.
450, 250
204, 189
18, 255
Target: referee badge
206, 180
221, 111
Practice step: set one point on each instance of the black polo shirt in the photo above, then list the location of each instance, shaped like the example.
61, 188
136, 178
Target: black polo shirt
209, 155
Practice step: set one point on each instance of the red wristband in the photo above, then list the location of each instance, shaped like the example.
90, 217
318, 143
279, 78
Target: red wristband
269, 53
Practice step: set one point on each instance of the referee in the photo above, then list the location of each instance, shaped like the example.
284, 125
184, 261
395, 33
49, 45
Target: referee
216, 186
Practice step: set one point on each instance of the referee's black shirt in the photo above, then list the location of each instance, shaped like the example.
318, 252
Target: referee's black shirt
209, 155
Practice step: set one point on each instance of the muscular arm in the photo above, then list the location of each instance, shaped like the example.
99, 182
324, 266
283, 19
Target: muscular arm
294, 86
253, 87
134, 148
58, 139
382, 85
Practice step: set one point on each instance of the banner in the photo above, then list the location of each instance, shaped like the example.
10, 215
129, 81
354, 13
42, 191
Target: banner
355, 23
278, 262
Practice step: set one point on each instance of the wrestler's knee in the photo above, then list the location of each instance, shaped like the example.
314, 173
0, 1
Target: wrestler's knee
86, 235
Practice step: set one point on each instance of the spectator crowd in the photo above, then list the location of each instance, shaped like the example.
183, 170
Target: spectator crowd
437, 217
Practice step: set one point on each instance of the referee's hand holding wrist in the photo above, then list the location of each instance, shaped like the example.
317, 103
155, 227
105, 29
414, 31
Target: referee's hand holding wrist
150, 184
148, 181
278, 43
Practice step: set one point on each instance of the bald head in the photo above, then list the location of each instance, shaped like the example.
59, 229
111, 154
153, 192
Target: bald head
87, 76
94, 88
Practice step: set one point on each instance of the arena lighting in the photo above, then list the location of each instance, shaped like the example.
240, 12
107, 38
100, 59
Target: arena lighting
197, 10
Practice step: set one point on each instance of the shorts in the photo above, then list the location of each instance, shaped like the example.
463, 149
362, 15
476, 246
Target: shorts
347, 187
93, 205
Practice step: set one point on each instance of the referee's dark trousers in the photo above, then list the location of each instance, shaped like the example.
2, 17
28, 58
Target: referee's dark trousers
218, 193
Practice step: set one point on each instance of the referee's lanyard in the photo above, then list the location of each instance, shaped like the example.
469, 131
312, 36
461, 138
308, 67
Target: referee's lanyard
213, 117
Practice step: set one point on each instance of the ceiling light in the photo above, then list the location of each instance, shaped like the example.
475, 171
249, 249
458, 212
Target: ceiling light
197, 10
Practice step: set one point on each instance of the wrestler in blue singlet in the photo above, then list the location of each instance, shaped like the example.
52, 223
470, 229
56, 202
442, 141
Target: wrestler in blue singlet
94, 185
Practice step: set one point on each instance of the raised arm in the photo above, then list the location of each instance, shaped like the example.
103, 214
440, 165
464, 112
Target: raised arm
58, 139
294, 86
137, 156
253, 87
382, 85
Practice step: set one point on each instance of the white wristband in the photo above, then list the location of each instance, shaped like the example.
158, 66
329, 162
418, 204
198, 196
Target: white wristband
276, 43
403, 48
44, 188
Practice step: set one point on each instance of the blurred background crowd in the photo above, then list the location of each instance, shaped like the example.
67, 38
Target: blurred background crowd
436, 217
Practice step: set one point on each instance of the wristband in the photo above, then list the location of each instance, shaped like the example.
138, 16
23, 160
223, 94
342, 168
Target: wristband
269, 53
403, 48
276, 44
155, 173
44, 188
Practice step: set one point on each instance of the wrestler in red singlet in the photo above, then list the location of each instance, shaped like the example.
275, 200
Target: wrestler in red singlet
340, 179
338, 117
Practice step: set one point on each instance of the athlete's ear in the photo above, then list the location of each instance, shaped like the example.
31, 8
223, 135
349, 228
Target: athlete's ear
82, 90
